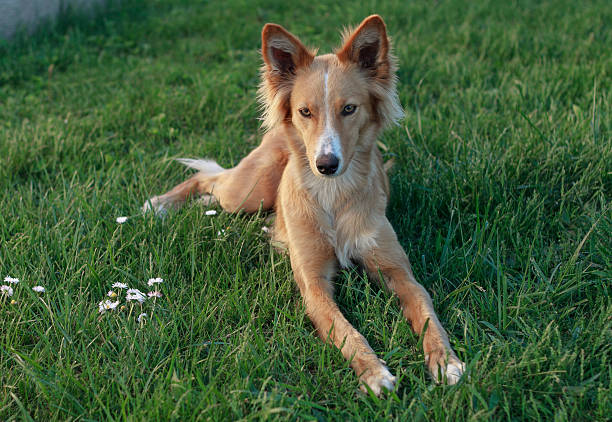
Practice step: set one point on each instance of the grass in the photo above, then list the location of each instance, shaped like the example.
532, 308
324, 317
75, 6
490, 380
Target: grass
501, 197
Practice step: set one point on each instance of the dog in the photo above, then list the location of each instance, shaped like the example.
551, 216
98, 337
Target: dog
319, 169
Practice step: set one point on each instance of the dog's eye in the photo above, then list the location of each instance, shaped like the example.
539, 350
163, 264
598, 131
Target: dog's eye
304, 111
348, 109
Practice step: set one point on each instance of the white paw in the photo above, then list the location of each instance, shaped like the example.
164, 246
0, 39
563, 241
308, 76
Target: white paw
157, 205
377, 380
452, 373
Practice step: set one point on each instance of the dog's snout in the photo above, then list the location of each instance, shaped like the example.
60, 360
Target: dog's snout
327, 164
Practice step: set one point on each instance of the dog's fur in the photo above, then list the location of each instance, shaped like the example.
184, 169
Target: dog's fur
334, 219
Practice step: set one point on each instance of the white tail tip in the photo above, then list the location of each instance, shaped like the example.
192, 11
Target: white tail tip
204, 166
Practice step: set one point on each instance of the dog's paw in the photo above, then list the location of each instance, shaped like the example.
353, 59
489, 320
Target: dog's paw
454, 372
377, 379
156, 205
445, 366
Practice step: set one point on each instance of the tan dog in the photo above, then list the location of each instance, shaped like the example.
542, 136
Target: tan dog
319, 168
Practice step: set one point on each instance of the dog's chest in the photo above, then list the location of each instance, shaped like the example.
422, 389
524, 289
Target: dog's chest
350, 246
351, 232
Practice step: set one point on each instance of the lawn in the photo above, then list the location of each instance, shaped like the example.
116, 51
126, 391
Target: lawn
501, 197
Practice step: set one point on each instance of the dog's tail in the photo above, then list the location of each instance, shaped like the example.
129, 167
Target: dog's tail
206, 167
207, 177
201, 183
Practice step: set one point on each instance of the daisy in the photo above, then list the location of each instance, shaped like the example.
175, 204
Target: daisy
120, 285
12, 280
153, 281
265, 229
38, 289
211, 212
106, 305
7, 290
139, 298
135, 294
141, 316
121, 220
111, 294
154, 293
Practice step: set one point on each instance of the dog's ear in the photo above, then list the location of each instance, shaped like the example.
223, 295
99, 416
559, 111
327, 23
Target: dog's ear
282, 52
368, 46
283, 56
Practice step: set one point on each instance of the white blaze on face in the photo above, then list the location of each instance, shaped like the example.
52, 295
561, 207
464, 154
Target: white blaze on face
329, 141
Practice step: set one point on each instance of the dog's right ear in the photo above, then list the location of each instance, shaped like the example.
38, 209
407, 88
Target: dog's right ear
282, 52
283, 55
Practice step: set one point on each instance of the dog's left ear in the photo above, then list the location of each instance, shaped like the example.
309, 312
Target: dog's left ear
368, 46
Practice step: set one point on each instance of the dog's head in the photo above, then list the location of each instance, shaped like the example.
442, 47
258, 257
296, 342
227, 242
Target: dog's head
337, 102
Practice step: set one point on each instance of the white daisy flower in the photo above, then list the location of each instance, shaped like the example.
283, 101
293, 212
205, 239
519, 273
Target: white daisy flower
121, 220
7, 290
153, 281
265, 229
154, 293
38, 289
107, 305
111, 294
135, 294
139, 298
120, 285
211, 212
220, 232
141, 316
12, 280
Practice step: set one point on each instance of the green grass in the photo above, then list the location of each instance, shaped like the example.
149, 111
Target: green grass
501, 197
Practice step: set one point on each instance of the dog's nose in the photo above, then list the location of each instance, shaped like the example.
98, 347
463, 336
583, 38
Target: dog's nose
327, 164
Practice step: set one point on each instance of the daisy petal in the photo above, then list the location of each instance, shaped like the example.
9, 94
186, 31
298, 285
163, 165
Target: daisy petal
135, 294
7, 290
153, 281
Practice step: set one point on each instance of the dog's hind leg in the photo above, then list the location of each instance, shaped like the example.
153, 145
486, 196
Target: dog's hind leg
252, 184
200, 183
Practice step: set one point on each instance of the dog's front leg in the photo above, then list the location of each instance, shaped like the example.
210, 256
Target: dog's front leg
314, 265
389, 258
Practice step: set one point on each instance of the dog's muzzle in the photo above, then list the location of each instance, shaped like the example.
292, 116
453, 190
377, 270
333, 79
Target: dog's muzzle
327, 164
